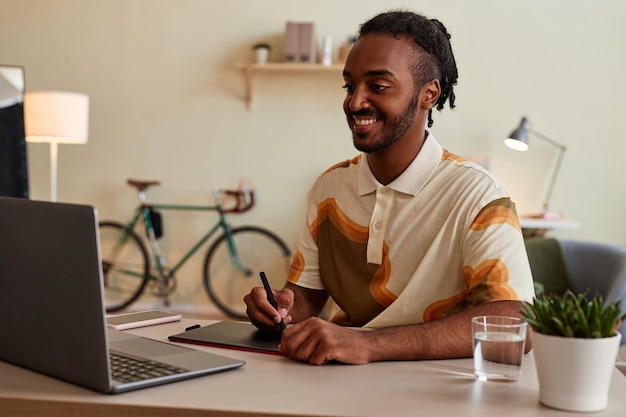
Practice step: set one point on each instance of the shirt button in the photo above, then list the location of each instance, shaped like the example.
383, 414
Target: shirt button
377, 226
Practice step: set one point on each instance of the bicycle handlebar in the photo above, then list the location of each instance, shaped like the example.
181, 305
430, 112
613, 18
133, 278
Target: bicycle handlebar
236, 201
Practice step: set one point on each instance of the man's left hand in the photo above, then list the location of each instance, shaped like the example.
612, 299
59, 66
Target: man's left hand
317, 341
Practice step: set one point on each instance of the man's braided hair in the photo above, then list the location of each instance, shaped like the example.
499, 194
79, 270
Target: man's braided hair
432, 37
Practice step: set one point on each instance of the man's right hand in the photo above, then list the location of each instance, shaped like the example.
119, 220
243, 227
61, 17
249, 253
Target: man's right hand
261, 312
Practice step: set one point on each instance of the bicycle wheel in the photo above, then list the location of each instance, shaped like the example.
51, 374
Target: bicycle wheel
259, 250
125, 265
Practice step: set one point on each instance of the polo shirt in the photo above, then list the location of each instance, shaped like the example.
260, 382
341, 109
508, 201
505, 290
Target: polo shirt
442, 237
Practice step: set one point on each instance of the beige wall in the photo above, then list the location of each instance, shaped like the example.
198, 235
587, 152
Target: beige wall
167, 103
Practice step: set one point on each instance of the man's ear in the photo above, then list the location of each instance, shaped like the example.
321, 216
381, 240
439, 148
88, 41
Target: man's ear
430, 94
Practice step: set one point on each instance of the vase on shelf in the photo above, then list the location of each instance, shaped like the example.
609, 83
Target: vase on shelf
262, 52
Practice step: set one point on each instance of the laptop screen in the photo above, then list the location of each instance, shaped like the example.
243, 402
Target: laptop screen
51, 301
51, 297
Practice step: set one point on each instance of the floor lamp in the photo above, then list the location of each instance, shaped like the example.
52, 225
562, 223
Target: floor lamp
56, 117
518, 140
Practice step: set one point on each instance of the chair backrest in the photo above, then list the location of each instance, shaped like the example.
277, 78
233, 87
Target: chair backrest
581, 266
547, 264
596, 268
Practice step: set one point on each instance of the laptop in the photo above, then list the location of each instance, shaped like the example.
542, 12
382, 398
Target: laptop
52, 311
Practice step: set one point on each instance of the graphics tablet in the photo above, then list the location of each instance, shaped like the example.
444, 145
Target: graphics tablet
232, 335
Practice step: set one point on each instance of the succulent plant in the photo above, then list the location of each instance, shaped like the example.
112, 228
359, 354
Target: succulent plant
571, 315
262, 45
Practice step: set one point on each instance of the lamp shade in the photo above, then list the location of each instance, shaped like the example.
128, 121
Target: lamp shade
56, 117
518, 139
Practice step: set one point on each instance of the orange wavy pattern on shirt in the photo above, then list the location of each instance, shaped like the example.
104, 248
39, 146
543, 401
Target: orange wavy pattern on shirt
344, 164
339, 316
439, 308
378, 285
497, 212
492, 273
297, 266
328, 209
447, 156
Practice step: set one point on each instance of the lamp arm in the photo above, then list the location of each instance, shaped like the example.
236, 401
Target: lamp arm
547, 139
554, 174
561, 149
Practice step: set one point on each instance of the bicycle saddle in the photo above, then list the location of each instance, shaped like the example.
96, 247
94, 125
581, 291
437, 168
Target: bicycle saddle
142, 185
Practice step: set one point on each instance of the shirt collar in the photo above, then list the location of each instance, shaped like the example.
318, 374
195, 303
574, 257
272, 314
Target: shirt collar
414, 176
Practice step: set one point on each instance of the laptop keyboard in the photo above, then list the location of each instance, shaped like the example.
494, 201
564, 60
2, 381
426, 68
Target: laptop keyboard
125, 369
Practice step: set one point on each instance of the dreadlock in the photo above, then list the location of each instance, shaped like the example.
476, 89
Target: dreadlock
430, 36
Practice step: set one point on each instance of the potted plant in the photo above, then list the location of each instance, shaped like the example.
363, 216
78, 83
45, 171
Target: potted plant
262, 51
575, 345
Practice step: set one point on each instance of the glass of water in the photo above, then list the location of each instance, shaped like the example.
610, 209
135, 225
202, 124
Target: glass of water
498, 347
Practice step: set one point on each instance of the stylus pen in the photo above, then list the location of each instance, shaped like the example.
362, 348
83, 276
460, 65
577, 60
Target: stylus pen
271, 299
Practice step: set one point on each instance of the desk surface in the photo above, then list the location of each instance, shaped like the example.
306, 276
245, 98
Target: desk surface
536, 223
270, 385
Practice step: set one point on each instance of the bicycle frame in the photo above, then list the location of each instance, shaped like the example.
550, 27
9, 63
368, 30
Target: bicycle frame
143, 212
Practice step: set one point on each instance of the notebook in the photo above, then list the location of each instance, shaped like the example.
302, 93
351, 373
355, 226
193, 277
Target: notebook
232, 335
52, 309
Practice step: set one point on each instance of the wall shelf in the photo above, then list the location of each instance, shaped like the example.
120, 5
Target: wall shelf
250, 71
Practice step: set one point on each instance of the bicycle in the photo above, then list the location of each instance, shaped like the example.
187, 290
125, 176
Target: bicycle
231, 265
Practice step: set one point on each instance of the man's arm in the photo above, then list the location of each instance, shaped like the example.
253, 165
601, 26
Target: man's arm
448, 337
317, 342
306, 303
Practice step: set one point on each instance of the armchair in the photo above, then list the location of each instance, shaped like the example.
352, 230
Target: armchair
583, 267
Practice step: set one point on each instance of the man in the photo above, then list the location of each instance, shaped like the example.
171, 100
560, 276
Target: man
407, 239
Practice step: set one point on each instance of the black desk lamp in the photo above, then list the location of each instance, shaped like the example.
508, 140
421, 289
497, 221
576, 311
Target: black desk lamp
518, 140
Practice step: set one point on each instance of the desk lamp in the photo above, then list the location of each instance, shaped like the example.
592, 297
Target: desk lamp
518, 140
56, 117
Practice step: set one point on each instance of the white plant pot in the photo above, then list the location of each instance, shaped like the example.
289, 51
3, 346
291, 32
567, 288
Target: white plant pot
574, 374
262, 55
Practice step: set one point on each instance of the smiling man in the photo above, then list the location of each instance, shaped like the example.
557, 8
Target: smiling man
407, 239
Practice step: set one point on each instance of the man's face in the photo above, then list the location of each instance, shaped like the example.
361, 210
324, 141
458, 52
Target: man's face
381, 101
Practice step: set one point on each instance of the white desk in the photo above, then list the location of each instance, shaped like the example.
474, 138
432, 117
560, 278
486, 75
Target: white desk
536, 223
270, 385
537, 227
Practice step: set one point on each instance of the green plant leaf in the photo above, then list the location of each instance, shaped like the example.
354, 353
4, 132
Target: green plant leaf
572, 315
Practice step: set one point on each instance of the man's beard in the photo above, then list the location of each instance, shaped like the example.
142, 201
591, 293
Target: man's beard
395, 129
